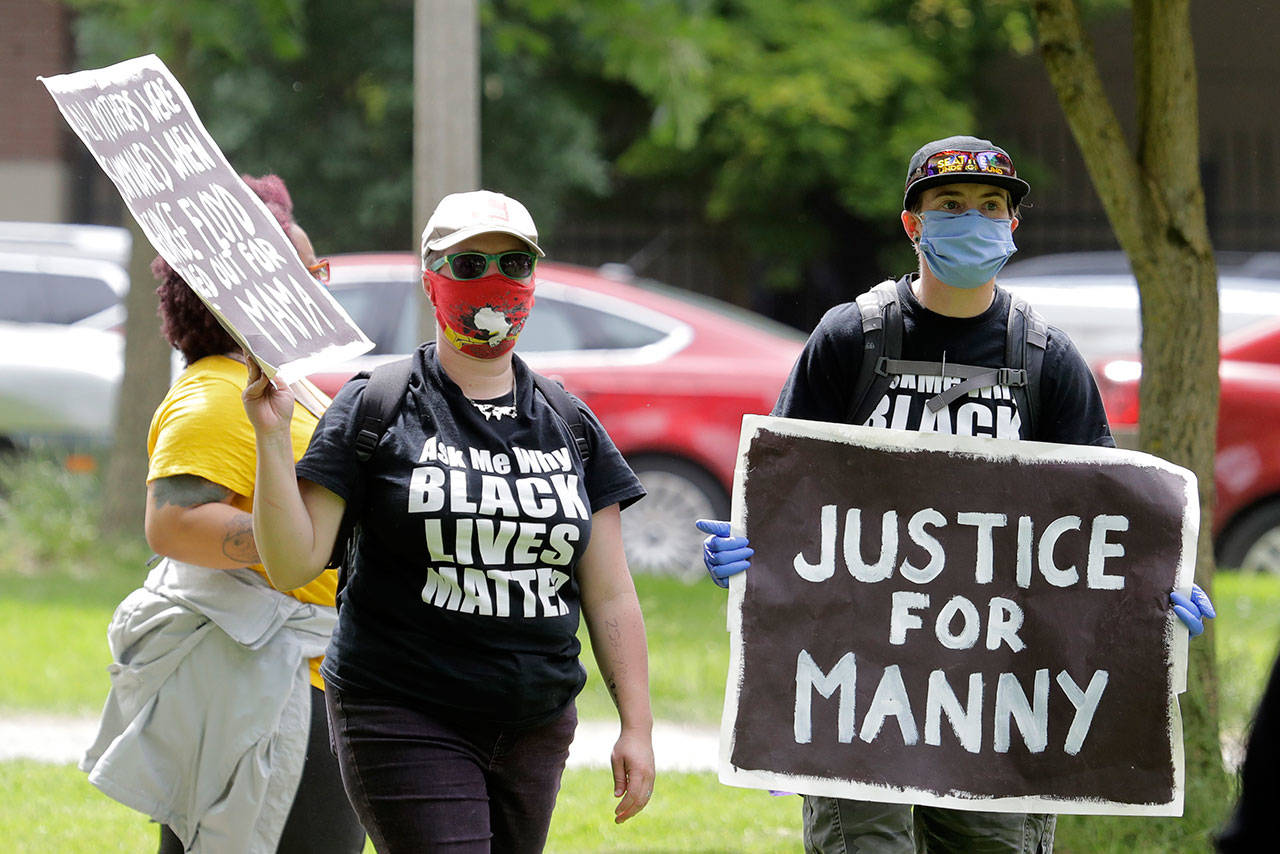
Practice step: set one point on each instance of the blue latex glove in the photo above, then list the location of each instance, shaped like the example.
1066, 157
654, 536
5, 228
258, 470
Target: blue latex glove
722, 554
1194, 611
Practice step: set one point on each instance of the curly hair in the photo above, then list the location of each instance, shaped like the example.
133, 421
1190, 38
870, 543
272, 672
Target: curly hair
185, 322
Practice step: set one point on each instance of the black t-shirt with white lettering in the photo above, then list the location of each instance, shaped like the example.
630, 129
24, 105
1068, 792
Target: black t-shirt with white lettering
823, 380
463, 598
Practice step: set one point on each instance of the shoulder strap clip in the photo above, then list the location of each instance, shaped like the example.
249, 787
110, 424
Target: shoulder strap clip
367, 439
567, 409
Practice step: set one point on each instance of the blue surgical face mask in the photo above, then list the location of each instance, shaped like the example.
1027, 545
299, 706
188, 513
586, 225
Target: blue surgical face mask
965, 250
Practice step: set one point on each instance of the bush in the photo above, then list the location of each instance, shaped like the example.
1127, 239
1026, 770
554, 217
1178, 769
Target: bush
49, 507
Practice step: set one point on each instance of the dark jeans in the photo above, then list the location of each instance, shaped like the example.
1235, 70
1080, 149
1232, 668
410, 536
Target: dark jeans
321, 820
421, 784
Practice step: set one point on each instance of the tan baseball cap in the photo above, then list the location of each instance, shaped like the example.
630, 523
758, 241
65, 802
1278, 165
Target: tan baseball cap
463, 215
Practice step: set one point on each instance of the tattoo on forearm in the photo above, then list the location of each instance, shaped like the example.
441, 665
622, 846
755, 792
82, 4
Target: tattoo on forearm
238, 544
187, 490
613, 630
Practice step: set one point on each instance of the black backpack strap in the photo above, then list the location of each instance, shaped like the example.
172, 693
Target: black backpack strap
379, 403
567, 409
974, 378
881, 343
1026, 340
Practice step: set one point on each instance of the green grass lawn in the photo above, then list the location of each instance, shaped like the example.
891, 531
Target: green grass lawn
1247, 637
56, 624
52, 808
688, 653
59, 585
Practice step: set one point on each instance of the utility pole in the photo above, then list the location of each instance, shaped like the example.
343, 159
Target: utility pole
446, 111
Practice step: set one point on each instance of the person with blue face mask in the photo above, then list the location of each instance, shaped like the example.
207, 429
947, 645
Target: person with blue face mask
960, 211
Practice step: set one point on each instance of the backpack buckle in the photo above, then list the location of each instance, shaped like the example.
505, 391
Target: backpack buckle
366, 441
882, 366
1012, 377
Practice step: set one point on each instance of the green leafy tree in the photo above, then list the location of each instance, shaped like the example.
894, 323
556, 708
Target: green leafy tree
321, 93
772, 111
789, 122
284, 87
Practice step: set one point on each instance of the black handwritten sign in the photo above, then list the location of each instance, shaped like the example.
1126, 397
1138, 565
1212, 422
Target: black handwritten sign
199, 215
958, 622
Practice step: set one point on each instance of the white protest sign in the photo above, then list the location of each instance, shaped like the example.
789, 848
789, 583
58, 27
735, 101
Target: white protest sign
138, 123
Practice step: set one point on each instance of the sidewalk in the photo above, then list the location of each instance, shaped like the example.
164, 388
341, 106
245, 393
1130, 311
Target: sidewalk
676, 747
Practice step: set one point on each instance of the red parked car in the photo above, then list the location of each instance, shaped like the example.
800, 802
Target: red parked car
669, 373
1246, 518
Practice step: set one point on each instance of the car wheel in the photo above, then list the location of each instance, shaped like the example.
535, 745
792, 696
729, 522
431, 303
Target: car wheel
1252, 543
657, 532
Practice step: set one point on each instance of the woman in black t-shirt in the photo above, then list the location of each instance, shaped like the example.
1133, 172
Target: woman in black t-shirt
483, 532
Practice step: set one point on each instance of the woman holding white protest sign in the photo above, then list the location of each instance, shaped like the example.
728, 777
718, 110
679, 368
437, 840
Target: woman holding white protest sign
487, 510
215, 725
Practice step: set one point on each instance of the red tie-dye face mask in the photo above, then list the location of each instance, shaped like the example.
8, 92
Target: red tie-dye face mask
480, 317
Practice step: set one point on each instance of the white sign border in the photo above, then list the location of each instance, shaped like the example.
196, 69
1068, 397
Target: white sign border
993, 449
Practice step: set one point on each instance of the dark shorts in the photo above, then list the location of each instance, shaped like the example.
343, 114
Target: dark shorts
422, 784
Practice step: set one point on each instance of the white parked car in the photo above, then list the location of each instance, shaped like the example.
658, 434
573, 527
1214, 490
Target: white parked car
61, 353
1093, 297
58, 382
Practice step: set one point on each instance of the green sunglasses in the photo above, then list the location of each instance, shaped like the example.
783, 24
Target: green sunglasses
514, 264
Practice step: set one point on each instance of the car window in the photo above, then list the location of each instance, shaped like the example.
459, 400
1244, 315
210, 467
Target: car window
383, 310
386, 307
1101, 314
1254, 265
103, 242
379, 309
1095, 333
558, 325
30, 297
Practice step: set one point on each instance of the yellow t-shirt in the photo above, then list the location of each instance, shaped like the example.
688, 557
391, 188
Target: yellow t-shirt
200, 429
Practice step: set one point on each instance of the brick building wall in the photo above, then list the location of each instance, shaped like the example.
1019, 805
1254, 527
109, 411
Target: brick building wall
34, 39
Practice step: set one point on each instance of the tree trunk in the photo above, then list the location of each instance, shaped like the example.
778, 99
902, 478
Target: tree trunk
145, 380
1155, 204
